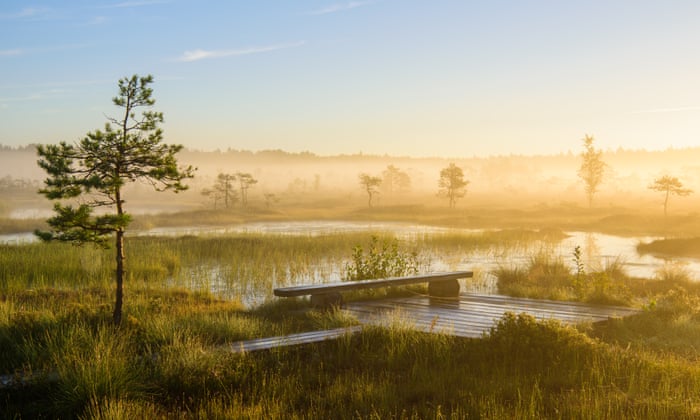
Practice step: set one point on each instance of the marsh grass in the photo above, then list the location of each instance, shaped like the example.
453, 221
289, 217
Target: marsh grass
548, 276
674, 272
167, 360
545, 276
244, 267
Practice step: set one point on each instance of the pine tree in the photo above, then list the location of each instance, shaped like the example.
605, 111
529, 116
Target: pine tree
92, 174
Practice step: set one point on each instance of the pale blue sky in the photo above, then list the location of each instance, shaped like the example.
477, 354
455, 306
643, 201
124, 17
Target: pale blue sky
450, 78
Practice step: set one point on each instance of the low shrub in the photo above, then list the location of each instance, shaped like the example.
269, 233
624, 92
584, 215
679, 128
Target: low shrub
382, 259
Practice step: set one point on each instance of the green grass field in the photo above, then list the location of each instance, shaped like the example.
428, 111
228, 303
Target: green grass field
186, 297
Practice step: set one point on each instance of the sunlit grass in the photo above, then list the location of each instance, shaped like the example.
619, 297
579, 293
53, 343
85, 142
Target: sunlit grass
185, 301
548, 276
173, 366
244, 267
545, 276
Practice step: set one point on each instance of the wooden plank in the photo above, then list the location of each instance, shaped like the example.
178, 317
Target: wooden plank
474, 302
365, 284
292, 339
543, 303
541, 308
474, 315
489, 312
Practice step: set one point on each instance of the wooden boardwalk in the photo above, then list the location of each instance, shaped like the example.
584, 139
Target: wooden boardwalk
471, 315
292, 339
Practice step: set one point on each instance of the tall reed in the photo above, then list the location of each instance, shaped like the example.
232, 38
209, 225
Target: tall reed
547, 276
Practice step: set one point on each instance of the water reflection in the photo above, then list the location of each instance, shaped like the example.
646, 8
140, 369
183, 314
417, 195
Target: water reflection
601, 250
17, 238
598, 249
591, 251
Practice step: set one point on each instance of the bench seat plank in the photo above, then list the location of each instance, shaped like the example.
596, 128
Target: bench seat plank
343, 286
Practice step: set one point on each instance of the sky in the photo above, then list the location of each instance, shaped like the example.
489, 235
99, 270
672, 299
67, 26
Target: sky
424, 78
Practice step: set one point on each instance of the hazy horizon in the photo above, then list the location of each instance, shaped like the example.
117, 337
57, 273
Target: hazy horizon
376, 77
505, 180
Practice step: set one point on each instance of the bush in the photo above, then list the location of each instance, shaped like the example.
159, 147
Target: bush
381, 261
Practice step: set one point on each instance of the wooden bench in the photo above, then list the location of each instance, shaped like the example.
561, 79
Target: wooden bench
328, 294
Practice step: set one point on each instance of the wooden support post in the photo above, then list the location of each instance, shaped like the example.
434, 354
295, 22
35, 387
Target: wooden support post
446, 288
326, 300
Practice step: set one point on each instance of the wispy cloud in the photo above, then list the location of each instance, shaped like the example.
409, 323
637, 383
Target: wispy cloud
96, 20
135, 3
55, 86
338, 7
49, 94
7, 53
41, 50
30, 97
26, 13
197, 55
667, 110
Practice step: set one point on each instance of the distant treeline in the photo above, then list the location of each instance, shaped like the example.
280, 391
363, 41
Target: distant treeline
629, 170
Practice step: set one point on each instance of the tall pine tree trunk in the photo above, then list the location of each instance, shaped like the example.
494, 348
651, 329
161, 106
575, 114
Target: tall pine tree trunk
117, 316
119, 245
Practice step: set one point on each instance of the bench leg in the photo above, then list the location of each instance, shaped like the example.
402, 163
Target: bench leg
326, 300
447, 288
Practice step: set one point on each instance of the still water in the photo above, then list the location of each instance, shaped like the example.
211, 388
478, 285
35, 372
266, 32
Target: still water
597, 249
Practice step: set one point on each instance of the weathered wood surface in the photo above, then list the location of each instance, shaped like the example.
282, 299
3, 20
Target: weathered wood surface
292, 339
472, 315
344, 286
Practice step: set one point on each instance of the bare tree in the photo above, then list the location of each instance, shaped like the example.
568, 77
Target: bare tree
245, 181
395, 180
270, 199
224, 186
452, 184
212, 194
592, 168
669, 185
222, 190
371, 185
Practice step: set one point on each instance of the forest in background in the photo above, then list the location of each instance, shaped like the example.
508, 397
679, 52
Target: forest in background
288, 179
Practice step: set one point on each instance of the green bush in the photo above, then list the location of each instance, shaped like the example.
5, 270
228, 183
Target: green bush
534, 345
382, 260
